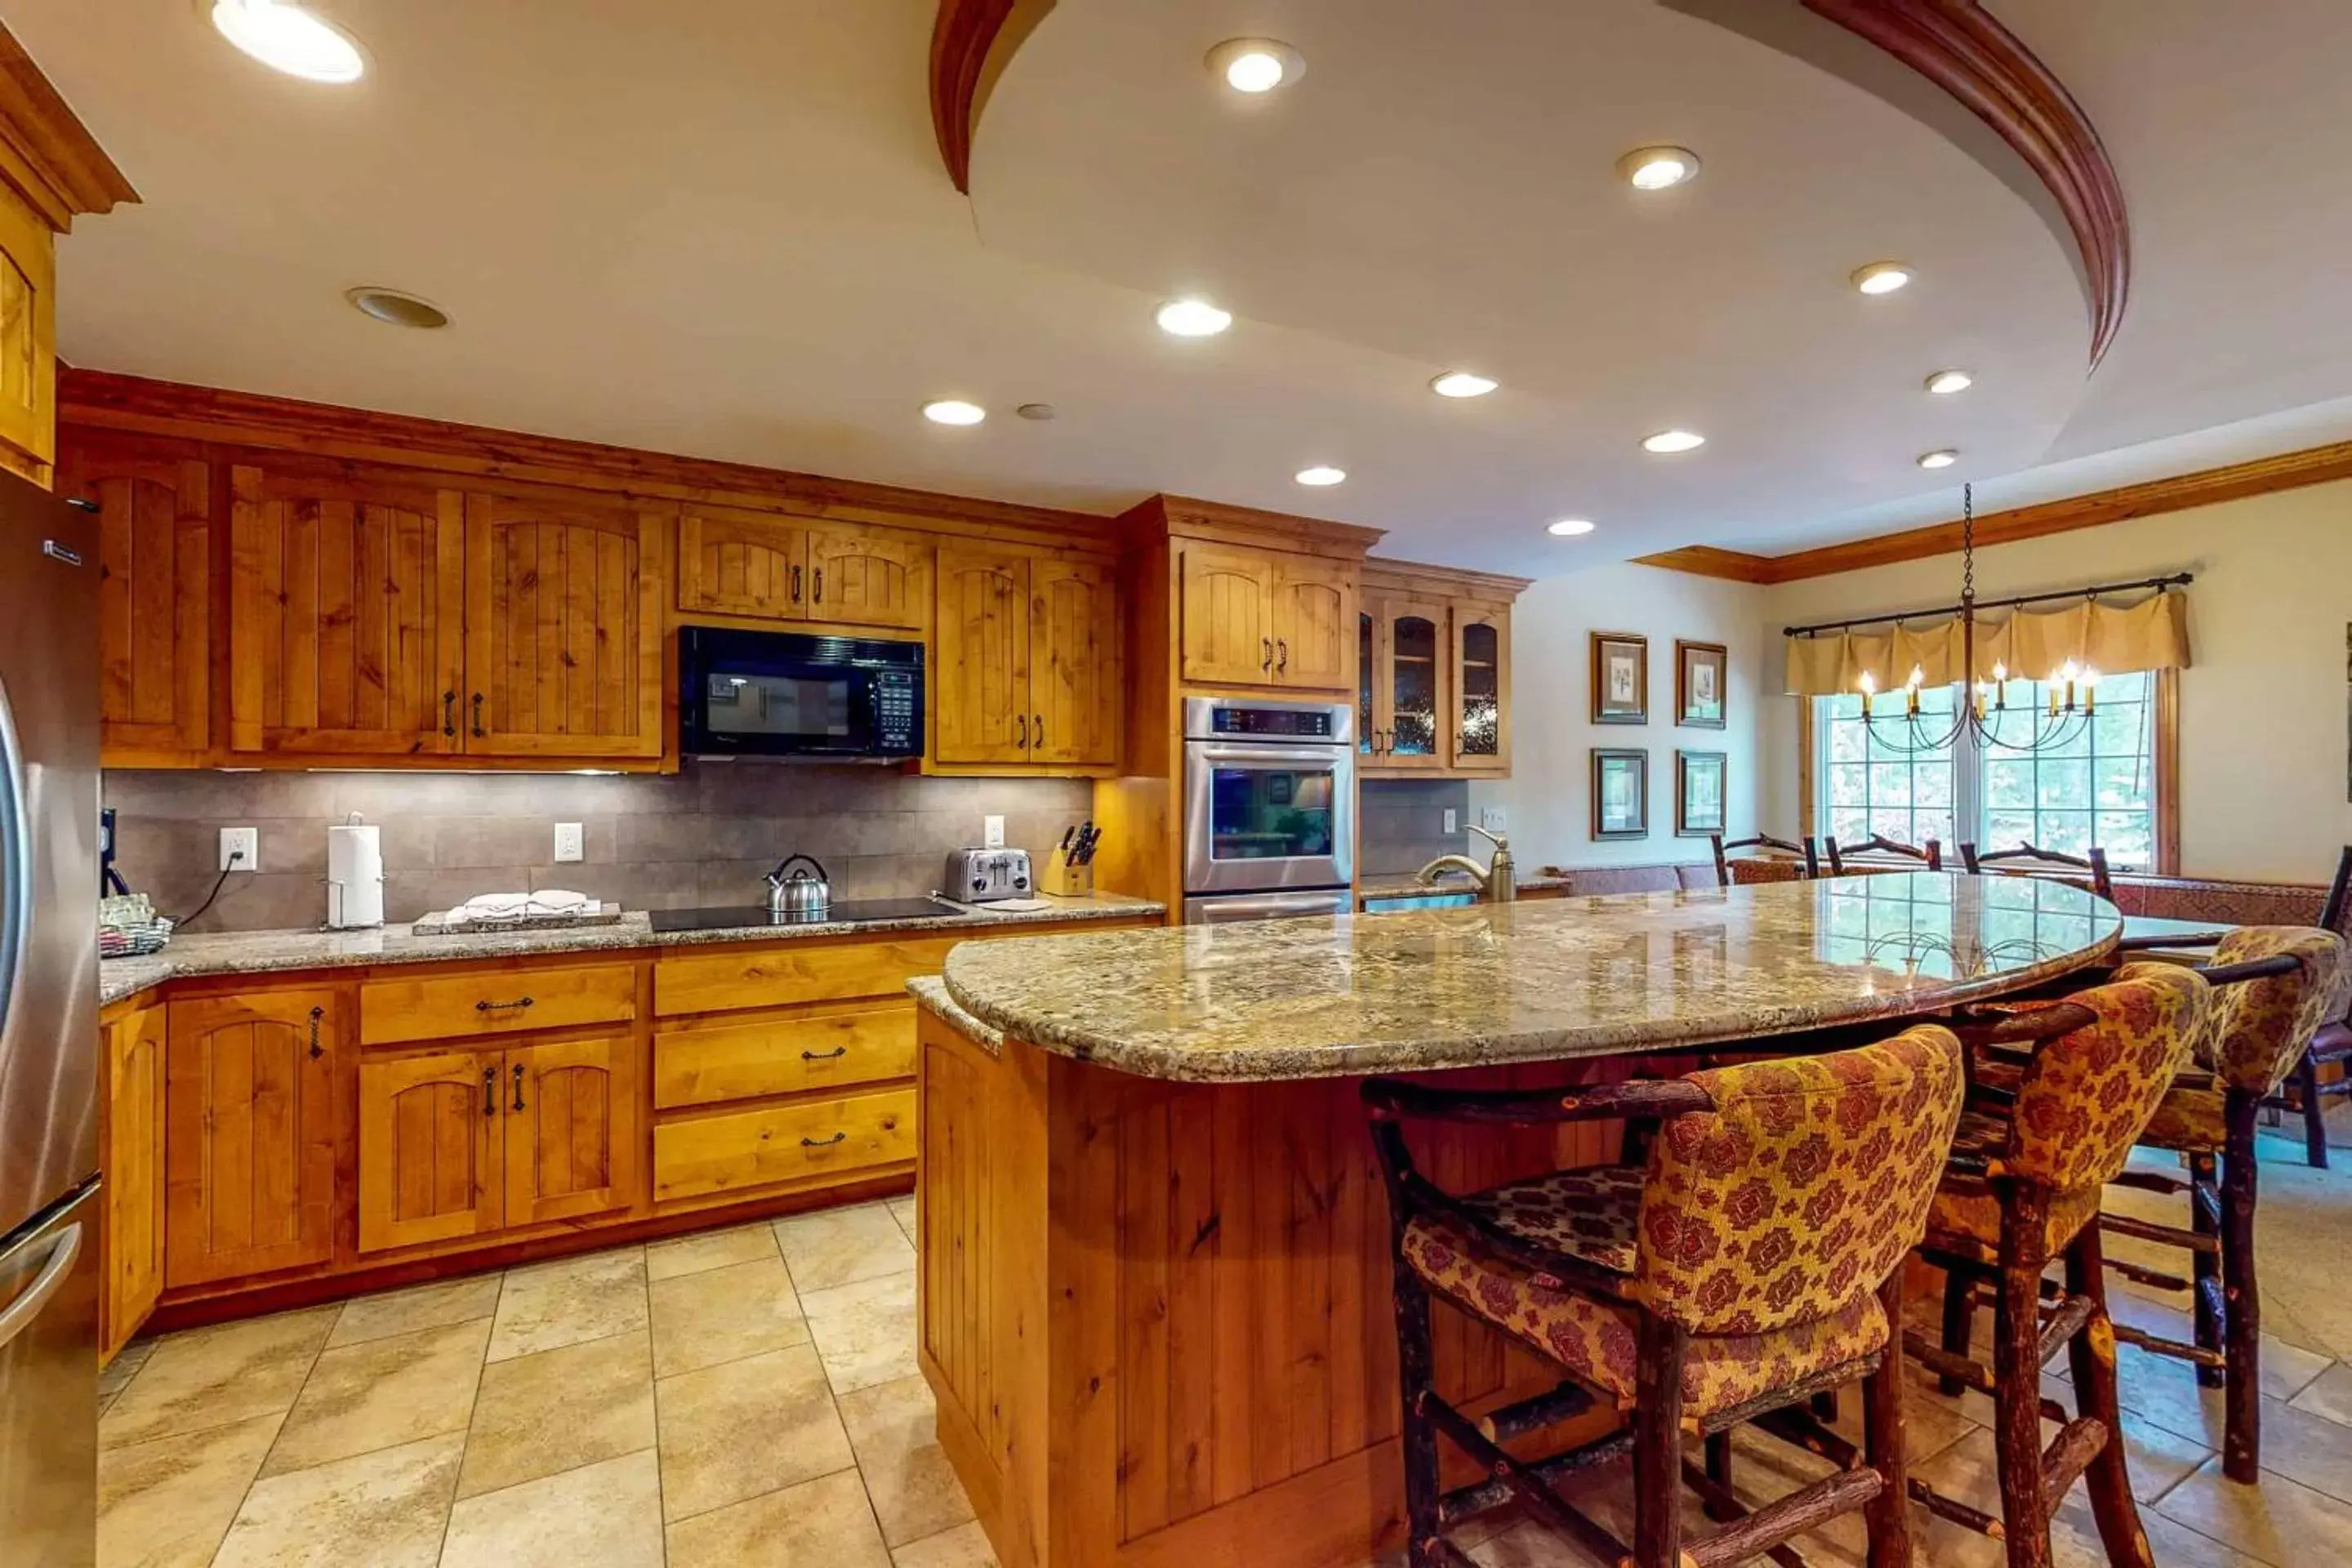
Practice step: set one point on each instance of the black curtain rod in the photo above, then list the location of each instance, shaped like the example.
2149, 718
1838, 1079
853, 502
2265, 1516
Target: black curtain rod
2178, 579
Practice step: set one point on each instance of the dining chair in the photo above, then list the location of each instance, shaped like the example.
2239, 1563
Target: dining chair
1933, 854
2273, 986
1754, 1258
2103, 882
1806, 851
2028, 1167
2332, 1042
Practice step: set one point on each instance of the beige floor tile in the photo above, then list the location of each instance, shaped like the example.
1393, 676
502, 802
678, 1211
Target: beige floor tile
903, 1210
733, 1432
966, 1546
549, 1305
822, 1523
385, 1510
865, 1331
211, 1377
2328, 1394
608, 1514
724, 1314
419, 1306
381, 1394
167, 1504
840, 1247
710, 1249
2165, 1391
116, 1375
2277, 1523
893, 1427
540, 1414
2309, 1450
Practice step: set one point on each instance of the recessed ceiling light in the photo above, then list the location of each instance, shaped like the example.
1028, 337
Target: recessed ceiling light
1882, 277
1192, 318
1942, 458
1945, 382
1322, 474
953, 411
1671, 441
1035, 411
1570, 527
1256, 65
1462, 384
396, 309
1658, 168
284, 36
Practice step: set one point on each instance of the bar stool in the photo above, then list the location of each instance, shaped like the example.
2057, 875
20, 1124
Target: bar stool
1755, 1261
2027, 1172
2274, 987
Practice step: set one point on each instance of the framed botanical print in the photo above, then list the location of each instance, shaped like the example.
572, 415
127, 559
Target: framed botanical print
1620, 794
1699, 671
1698, 793
1621, 677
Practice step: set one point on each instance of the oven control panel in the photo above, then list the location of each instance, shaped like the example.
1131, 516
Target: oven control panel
1240, 719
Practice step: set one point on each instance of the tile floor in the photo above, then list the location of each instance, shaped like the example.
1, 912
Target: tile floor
748, 1398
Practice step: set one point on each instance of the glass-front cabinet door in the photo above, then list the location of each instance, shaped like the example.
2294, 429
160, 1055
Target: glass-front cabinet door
1481, 737
1408, 685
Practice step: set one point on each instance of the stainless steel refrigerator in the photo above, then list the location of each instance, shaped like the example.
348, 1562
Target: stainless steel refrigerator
48, 1030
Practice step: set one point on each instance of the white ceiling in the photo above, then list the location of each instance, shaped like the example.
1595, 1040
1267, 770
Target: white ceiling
723, 229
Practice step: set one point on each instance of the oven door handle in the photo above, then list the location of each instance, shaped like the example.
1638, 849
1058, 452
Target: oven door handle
1225, 753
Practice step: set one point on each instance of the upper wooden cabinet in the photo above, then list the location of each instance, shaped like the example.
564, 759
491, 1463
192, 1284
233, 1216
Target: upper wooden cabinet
28, 338
564, 630
1481, 737
1026, 668
1314, 622
767, 568
867, 577
1073, 661
1434, 696
1258, 617
154, 600
346, 611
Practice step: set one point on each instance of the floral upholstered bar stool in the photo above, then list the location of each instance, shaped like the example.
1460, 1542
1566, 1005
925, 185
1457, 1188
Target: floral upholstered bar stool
2274, 987
2027, 1169
1755, 1260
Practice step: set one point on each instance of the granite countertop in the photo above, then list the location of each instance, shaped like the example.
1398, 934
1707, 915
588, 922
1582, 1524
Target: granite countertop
1401, 885
1427, 989
931, 994
274, 951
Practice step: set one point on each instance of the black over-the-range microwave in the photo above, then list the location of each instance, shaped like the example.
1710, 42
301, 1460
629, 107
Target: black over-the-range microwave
788, 694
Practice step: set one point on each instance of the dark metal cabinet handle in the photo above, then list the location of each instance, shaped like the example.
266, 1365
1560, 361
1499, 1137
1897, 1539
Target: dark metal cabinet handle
518, 1086
1266, 658
478, 730
796, 584
819, 574
449, 713
488, 1006
1282, 660
823, 1143
316, 1050
834, 1054
1022, 740
1040, 731
489, 1091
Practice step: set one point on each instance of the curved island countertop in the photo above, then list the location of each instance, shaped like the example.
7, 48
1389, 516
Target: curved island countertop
1276, 999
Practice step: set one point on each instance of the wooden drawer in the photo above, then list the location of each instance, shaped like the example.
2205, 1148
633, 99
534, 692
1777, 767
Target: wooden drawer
433, 1005
780, 977
745, 1058
739, 1152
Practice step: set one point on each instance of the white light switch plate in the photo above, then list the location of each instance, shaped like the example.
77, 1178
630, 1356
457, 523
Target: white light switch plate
245, 843
568, 845
1491, 818
991, 833
1453, 820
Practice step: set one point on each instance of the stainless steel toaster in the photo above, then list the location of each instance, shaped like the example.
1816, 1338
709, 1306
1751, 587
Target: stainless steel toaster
985, 876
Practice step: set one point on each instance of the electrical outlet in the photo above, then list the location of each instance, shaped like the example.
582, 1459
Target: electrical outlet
1491, 819
240, 849
568, 845
1453, 820
991, 833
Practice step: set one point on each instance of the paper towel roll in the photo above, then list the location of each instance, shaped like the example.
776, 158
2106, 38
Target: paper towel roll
354, 876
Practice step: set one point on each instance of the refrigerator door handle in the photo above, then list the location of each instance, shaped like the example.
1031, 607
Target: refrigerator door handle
15, 859
20, 1314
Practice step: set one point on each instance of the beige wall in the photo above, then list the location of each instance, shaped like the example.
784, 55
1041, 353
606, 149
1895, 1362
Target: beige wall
2263, 710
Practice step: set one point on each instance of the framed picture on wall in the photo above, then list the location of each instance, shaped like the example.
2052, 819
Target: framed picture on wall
1620, 794
1621, 677
1699, 779
1700, 668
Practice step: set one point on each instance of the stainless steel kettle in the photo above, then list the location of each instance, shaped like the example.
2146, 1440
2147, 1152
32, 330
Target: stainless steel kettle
798, 887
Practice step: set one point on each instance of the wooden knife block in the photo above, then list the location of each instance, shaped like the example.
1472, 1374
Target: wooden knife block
1065, 881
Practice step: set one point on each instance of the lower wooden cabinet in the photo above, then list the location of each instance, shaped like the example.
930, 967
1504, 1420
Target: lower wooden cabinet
131, 1152
767, 1146
572, 1129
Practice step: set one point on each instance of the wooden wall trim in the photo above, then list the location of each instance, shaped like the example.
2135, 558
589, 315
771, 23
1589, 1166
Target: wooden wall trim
2152, 498
1457, 581
1163, 515
971, 41
46, 152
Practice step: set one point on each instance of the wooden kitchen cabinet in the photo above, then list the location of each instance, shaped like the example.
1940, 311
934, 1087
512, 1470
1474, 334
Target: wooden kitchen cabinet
28, 340
1073, 661
429, 1132
346, 615
248, 1134
131, 1155
1226, 615
1480, 739
154, 600
1406, 687
1314, 622
564, 630
1027, 663
867, 577
741, 563
571, 1127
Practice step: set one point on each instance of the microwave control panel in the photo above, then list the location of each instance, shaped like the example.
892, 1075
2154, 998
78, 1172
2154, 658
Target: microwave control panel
894, 712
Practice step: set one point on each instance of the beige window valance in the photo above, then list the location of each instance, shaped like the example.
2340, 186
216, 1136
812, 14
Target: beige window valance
2151, 634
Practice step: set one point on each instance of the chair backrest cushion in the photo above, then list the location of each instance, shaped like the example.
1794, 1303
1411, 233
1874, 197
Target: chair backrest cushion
2254, 1033
1804, 1187
2087, 1097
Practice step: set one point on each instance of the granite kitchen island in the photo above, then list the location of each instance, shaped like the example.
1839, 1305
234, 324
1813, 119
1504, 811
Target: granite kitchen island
1155, 1260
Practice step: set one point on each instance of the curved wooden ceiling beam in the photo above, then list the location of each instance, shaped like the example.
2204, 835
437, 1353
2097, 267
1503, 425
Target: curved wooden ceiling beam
971, 41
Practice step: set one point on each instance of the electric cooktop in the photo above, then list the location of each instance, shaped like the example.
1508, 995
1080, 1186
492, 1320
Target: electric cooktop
845, 912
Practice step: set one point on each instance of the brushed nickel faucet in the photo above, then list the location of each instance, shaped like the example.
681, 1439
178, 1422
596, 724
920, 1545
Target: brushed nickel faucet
1496, 880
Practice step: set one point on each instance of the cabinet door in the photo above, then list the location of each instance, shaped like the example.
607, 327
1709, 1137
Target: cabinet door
1411, 688
980, 690
740, 565
1481, 739
131, 1157
248, 1134
1227, 611
1073, 668
154, 603
862, 578
429, 1131
564, 654
28, 336
571, 1139
346, 608
1313, 623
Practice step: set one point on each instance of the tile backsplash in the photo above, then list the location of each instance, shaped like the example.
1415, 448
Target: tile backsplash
705, 835
1403, 824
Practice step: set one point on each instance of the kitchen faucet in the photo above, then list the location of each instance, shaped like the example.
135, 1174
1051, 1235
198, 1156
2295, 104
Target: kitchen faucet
1496, 878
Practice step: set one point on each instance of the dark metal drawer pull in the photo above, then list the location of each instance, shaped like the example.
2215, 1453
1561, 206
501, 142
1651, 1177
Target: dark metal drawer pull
486, 1006
837, 1052
316, 1013
450, 714
518, 1075
489, 1091
823, 1143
